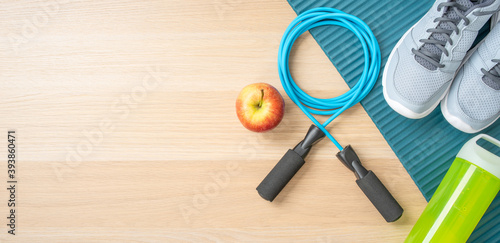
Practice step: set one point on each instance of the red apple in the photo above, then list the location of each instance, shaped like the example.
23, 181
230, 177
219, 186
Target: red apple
260, 107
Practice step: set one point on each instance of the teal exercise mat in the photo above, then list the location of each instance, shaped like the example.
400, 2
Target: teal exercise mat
425, 147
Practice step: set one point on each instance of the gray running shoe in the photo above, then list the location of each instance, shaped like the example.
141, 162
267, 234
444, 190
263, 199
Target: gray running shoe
473, 102
423, 63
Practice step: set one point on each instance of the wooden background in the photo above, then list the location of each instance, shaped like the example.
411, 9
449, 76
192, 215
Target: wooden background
127, 132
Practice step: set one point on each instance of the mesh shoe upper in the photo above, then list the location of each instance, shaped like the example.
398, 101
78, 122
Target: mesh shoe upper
424, 62
453, 14
473, 102
478, 99
413, 80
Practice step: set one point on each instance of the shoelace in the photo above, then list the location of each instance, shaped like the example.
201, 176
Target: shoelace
493, 73
431, 57
459, 9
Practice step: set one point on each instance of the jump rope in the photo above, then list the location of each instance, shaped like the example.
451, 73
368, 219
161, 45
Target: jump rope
293, 160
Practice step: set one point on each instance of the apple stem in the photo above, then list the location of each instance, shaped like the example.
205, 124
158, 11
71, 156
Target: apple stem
261, 98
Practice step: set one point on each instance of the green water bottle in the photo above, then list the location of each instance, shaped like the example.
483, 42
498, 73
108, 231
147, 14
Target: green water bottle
468, 188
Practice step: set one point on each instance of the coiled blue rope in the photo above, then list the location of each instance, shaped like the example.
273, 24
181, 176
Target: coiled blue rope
332, 106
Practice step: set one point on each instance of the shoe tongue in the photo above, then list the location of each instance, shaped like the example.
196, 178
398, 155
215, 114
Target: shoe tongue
450, 14
493, 83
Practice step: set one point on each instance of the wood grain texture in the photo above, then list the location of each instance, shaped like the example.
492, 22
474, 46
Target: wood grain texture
127, 132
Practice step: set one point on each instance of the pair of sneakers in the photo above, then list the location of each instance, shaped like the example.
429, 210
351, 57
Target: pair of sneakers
429, 66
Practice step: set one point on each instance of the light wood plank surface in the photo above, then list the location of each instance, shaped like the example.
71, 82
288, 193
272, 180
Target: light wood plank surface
124, 115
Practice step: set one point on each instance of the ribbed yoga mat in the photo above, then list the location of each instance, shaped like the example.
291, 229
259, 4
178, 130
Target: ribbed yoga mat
425, 147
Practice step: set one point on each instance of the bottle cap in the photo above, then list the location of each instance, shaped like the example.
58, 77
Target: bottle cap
481, 157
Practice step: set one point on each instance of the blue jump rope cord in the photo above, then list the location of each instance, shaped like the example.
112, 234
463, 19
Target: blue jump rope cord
332, 106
